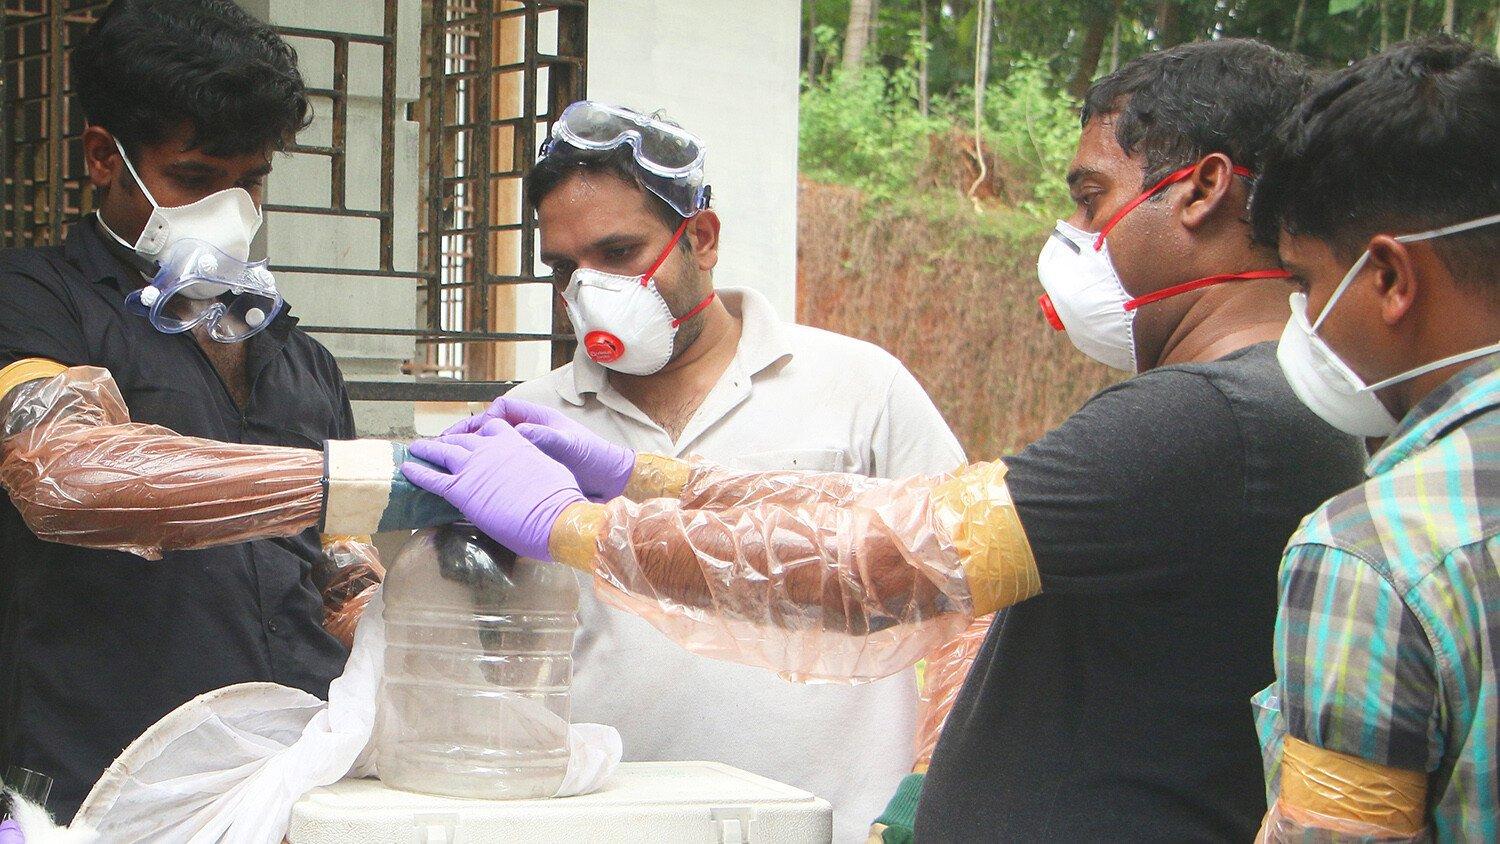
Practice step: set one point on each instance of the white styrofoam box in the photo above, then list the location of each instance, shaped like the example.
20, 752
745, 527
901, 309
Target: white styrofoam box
667, 802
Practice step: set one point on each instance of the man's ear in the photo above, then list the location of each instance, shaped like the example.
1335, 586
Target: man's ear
1209, 187
703, 237
101, 157
1397, 281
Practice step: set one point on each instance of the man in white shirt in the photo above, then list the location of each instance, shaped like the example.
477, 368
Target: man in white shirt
733, 384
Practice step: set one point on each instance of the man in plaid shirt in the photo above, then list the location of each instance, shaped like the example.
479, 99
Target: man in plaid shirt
1385, 196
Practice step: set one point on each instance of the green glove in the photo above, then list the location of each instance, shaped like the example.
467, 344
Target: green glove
900, 814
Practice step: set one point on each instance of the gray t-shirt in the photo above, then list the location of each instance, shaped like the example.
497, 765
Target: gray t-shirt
1116, 704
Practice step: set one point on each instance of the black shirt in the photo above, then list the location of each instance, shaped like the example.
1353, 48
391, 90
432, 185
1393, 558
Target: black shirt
1116, 704
98, 645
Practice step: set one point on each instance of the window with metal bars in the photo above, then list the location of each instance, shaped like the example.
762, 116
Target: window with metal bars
496, 73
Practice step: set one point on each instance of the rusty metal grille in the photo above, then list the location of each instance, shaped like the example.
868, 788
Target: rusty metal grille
43, 184
496, 73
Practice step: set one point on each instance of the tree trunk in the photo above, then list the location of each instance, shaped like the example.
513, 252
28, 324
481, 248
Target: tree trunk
812, 42
1450, 12
1167, 12
857, 35
924, 99
1411, 8
1114, 41
1385, 24
981, 82
1297, 24
1088, 61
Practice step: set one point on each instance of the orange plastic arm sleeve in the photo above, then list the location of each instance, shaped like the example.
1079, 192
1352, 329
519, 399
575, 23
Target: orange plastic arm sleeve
947, 669
80, 472
356, 577
847, 588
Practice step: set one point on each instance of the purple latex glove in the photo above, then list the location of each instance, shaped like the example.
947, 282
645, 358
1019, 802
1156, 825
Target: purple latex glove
501, 482
601, 467
10, 833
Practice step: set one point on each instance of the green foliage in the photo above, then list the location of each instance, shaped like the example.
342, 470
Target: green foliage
1033, 126
866, 130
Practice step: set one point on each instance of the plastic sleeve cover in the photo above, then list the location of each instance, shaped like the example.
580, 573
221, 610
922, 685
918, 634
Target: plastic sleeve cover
81, 473
947, 669
844, 588
1335, 797
356, 577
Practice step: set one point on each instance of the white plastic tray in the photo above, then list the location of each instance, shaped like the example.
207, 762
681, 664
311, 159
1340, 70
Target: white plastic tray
669, 802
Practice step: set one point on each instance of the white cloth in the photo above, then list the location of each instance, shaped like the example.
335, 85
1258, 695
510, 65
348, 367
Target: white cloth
229, 765
793, 398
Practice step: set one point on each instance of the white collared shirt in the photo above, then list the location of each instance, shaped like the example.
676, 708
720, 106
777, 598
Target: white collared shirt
793, 397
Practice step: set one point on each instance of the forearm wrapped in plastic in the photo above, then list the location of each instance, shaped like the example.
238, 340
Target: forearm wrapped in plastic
1325, 796
80, 472
822, 577
947, 669
355, 578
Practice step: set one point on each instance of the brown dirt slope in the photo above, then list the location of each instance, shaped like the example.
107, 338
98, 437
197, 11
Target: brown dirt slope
954, 297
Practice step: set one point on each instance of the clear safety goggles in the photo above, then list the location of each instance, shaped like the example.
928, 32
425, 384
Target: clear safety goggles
670, 157
197, 284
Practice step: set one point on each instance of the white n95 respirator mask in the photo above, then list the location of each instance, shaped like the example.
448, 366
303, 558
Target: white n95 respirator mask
1326, 384
1085, 296
227, 219
622, 322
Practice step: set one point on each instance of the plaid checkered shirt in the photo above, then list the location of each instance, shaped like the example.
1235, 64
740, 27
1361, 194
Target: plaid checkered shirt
1388, 636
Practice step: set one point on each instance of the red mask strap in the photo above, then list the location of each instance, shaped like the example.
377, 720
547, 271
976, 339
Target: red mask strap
697, 309
1199, 284
1171, 178
662, 258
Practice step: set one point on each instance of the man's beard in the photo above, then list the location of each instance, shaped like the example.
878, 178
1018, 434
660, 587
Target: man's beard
694, 294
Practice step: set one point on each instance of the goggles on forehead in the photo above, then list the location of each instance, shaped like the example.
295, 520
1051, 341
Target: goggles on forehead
197, 284
670, 157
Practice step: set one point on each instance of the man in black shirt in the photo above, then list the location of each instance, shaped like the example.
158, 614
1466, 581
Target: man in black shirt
97, 645
1115, 704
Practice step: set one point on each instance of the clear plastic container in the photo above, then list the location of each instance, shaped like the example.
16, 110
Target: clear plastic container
477, 666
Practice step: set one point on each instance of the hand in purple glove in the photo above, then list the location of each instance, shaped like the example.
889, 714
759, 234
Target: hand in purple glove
601, 467
10, 833
501, 482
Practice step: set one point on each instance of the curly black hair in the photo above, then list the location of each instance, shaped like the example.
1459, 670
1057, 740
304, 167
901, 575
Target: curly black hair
1404, 141
1179, 105
149, 66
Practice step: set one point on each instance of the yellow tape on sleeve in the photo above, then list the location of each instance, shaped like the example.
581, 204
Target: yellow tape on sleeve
28, 369
656, 476
575, 537
1337, 785
976, 508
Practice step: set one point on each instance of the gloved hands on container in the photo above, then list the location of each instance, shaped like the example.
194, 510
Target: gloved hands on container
501, 482
601, 467
816, 575
10, 833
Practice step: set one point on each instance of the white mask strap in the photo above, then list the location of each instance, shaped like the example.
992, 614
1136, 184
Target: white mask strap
1435, 366
1405, 238
1453, 229
137, 176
